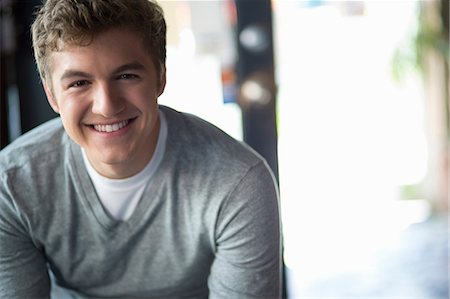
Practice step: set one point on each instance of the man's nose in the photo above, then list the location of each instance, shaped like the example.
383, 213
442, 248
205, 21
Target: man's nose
106, 101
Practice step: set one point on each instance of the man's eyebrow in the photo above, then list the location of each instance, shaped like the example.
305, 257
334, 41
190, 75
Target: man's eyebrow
126, 67
74, 73
134, 66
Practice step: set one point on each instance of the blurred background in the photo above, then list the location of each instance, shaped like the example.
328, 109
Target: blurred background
347, 100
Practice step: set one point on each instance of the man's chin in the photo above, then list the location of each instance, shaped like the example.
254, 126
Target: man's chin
109, 160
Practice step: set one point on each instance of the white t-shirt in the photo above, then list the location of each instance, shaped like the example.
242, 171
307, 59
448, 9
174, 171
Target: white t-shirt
121, 196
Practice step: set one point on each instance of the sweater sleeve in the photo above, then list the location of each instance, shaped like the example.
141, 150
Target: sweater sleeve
247, 262
23, 270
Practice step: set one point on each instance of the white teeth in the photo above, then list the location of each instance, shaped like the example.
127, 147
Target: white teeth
112, 127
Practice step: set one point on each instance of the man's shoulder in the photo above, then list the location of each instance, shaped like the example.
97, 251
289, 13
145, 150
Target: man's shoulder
36, 145
200, 138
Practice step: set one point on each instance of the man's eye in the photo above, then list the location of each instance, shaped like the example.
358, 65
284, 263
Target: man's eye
127, 76
78, 83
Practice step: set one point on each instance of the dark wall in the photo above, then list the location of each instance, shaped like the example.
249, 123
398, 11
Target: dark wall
33, 103
19, 72
257, 63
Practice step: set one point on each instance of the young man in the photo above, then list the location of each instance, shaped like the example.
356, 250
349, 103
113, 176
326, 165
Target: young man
120, 197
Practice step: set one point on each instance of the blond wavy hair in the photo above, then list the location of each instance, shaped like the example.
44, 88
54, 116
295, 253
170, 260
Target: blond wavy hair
77, 22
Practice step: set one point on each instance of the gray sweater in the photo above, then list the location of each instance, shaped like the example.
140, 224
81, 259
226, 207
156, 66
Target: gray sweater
207, 225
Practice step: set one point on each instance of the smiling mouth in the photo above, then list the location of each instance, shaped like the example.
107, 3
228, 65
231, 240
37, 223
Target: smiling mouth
112, 127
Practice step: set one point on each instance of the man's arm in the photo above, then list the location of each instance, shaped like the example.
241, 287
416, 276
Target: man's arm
248, 255
23, 270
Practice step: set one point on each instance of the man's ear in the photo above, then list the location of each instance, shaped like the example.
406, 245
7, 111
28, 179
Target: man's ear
50, 98
162, 82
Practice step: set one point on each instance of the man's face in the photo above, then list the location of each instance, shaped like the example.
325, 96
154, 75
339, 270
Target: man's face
106, 94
